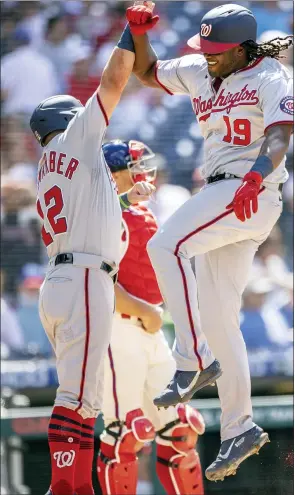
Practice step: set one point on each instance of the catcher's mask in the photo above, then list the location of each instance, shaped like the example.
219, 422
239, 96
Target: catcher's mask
132, 155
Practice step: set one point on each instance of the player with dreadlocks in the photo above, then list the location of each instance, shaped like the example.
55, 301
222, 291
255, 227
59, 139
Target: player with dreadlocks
271, 48
243, 100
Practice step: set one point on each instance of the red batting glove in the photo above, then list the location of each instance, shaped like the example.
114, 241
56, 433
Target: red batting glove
140, 18
246, 196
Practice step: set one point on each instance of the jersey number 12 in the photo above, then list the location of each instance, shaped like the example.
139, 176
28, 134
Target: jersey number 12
58, 225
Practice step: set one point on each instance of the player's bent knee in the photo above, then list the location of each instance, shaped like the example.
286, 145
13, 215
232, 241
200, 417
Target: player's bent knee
117, 463
178, 464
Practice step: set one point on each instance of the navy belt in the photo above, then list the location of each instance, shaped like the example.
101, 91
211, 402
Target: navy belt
65, 258
226, 175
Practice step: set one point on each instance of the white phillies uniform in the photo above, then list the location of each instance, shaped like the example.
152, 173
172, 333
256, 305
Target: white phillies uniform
138, 364
78, 203
233, 120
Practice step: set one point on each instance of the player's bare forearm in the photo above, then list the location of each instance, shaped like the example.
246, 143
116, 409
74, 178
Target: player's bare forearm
127, 304
114, 78
140, 191
150, 316
276, 143
145, 61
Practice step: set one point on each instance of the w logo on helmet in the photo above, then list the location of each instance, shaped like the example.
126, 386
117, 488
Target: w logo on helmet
206, 30
64, 459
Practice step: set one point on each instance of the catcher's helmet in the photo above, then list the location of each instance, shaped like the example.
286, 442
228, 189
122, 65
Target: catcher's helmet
131, 155
224, 27
53, 114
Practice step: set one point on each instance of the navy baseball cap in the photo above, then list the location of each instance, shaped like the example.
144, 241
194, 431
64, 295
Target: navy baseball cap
223, 28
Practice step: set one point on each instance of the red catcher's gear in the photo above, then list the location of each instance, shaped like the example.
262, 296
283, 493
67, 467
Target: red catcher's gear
117, 465
136, 273
178, 464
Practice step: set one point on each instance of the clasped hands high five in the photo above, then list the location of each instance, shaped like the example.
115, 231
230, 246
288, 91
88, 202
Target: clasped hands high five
140, 18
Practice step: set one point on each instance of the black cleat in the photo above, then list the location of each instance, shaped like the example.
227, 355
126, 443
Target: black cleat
185, 383
234, 451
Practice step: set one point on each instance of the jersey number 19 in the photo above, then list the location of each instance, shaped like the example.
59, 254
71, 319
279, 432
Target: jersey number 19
241, 131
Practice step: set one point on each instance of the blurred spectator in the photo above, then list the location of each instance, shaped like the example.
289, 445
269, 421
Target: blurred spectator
20, 239
137, 104
27, 77
262, 324
287, 310
271, 15
32, 19
8, 23
270, 262
81, 83
168, 197
27, 312
12, 338
286, 221
19, 149
59, 45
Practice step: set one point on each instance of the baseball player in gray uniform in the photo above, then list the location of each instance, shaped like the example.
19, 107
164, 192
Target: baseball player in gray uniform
78, 202
243, 100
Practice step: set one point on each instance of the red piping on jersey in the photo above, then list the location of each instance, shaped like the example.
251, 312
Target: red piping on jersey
114, 382
86, 291
250, 66
282, 122
102, 109
185, 287
158, 81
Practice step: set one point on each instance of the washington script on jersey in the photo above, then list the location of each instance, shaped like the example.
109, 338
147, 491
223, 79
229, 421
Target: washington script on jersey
225, 102
58, 163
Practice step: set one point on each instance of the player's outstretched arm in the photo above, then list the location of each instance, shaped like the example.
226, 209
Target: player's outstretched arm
141, 20
114, 78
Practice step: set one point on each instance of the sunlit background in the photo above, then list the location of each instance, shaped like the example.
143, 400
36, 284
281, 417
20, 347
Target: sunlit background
49, 48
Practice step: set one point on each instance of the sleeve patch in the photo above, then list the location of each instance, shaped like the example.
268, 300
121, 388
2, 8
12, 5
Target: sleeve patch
287, 105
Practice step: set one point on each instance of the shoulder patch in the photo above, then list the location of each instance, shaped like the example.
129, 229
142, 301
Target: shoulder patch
287, 105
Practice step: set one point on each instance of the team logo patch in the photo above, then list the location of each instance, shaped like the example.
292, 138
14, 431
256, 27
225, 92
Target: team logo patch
287, 105
206, 30
64, 459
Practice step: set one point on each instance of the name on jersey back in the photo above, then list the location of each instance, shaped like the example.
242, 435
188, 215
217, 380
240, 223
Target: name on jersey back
57, 162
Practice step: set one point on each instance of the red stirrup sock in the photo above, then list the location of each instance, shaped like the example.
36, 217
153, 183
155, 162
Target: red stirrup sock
64, 439
83, 472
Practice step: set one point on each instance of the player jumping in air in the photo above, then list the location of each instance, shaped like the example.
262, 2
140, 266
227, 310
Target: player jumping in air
243, 100
78, 203
139, 361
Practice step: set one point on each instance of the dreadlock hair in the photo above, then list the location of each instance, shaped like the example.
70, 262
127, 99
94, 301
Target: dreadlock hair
270, 48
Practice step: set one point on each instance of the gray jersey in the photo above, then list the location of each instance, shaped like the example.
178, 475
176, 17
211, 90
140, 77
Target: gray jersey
77, 197
234, 119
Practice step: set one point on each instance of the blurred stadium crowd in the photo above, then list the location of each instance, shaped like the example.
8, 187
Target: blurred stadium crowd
49, 48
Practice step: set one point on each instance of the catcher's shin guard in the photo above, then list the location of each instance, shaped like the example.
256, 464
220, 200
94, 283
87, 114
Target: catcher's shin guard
117, 465
178, 464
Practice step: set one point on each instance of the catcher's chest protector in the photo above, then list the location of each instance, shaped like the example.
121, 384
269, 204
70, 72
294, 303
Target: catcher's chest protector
136, 273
